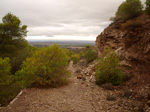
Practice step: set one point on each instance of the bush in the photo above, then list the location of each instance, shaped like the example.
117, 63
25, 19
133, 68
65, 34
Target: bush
107, 70
16, 61
75, 58
90, 55
129, 9
70, 53
131, 24
81, 54
88, 46
9, 84
47, 67
147, 9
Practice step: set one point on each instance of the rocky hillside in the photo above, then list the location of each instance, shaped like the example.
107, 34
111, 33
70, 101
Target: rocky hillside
133, 47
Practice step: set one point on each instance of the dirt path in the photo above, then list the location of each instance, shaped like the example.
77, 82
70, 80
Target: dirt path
78, 96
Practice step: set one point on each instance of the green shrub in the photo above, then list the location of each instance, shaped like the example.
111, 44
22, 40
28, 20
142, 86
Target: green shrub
131, 24
5, 67
129, 9
147, 9
47, 67
107, 70
16, 61
75, 58
81, 54
88, 46
90, 55
70, 53
10, 85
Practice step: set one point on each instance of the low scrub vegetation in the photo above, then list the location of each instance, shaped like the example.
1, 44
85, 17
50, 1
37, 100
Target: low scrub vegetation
44, 67
76, 54
47, 67
75, 58
131, 24
108, 70
90, 55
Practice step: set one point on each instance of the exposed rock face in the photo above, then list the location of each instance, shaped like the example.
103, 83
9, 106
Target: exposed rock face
133, 47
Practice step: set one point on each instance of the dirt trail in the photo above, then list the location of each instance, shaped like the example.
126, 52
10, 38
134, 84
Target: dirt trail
78, 96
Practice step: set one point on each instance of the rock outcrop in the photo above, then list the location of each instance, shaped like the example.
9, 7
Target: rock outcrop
133, 47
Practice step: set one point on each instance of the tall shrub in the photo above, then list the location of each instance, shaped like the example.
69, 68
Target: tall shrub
107, 70
47, 67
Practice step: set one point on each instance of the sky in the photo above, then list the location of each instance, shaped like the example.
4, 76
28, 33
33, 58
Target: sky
62, 19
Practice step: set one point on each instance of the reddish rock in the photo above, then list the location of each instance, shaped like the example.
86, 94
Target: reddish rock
79, 76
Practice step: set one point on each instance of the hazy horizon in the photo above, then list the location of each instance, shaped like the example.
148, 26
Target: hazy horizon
40, 40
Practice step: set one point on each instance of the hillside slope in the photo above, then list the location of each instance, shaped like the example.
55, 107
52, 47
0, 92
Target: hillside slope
133, 47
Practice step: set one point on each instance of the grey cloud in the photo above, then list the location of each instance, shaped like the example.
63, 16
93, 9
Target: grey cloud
62, 17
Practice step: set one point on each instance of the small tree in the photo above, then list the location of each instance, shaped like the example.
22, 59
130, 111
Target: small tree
147, 9
12, 40
129, 9
11, 35
107, 70
47, 67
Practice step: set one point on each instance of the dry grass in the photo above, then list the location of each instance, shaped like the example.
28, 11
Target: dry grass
131, 24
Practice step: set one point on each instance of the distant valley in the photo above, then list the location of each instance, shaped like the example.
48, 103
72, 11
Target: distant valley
61, 43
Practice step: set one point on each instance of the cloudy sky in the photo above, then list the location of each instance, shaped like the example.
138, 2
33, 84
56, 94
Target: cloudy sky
62, 19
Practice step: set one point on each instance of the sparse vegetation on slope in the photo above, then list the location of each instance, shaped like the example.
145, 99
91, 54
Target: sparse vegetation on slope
131, 24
